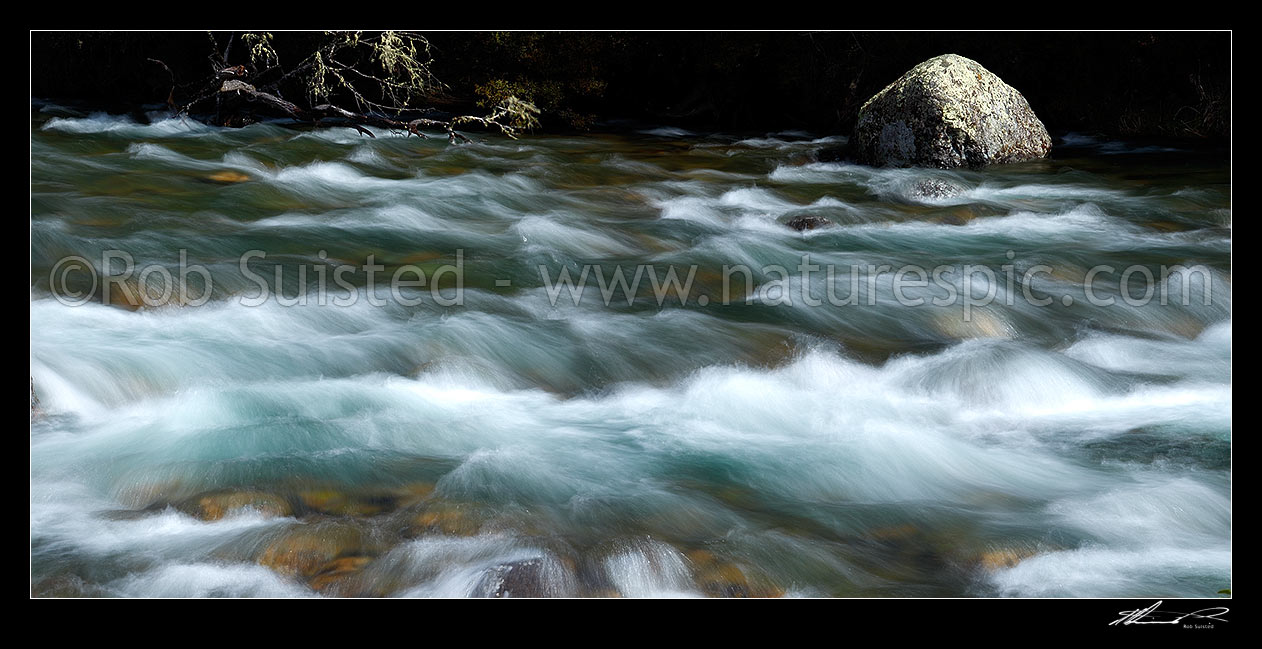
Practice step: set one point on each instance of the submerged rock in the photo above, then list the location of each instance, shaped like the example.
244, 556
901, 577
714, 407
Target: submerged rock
445, 519
336, 503
129, 294
537, 577
228, 176
719, 578
996, 559
336, 576
308, 550
65, 586
332, 500
980, 323
948, 112
214, 506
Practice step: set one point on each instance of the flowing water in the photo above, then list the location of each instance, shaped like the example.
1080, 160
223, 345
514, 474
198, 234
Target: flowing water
493, 432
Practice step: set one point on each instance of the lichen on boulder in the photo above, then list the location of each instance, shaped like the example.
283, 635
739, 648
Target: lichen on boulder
948, 112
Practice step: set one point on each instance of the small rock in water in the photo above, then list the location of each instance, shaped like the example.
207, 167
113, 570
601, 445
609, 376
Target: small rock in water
307, 550
128, 294
1003, 558
411, 494
337, 503
212, 507
444, 519
65, 586
718, 578
538, 577
517, 579
333, 500
334, 575
979, 324
803, 223
228, 176
933, 188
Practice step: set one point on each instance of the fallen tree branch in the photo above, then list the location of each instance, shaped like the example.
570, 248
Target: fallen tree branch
242, 88
397, 72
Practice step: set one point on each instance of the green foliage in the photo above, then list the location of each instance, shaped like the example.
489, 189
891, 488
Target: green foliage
262, 52
384, 72
518, 113
317, 84
404, 62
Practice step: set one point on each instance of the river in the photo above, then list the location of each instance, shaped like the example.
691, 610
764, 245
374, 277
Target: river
1052, 430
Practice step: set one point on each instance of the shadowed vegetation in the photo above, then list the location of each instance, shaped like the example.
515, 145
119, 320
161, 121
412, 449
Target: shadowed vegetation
1130, 84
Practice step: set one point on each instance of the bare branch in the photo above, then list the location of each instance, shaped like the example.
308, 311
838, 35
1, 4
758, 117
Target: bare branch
383, 74
171, 78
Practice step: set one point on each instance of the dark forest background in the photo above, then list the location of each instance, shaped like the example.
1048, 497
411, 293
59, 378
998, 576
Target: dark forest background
1172, 84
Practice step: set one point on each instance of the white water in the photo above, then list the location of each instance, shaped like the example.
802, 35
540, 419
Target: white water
610, 446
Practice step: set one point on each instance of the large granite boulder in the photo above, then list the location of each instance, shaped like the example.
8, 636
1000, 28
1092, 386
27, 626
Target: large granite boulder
948, 112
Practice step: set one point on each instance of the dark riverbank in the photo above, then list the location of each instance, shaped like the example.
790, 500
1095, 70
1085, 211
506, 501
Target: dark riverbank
1115, 83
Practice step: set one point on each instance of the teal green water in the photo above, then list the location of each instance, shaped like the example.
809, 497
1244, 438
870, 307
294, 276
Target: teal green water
530, 440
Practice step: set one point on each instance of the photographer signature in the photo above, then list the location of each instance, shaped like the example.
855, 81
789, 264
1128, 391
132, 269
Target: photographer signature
1151, 615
